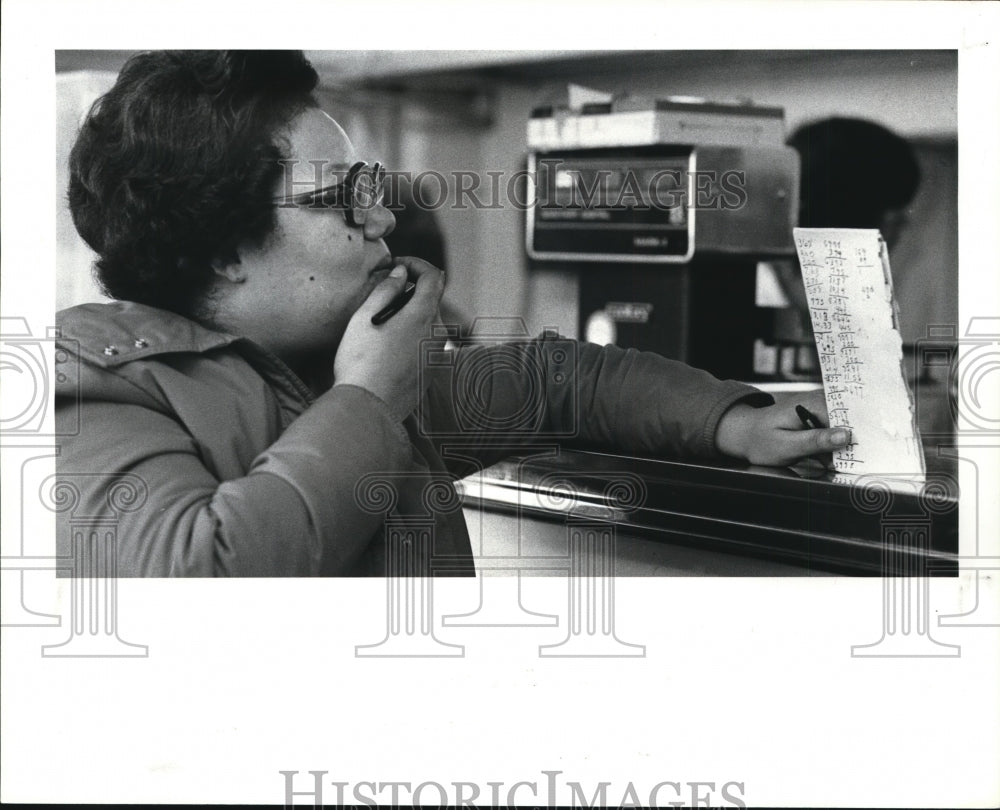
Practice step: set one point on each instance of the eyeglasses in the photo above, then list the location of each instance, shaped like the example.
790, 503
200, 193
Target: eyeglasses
356, 195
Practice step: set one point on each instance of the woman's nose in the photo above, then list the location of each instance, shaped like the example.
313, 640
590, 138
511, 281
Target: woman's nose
379, 223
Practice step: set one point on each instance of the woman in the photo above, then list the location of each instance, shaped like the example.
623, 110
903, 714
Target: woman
240, 379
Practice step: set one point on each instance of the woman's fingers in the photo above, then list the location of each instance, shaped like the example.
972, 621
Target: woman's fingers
428, 278
384, 292
775, 435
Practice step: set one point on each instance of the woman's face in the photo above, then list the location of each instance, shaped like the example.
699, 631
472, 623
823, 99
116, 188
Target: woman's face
298, 291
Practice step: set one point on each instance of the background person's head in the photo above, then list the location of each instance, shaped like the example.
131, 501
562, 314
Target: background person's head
855, 174
175, 167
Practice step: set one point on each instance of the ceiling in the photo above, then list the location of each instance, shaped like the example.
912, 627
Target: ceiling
450, 68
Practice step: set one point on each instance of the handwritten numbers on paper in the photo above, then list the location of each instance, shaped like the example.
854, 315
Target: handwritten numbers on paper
848, 288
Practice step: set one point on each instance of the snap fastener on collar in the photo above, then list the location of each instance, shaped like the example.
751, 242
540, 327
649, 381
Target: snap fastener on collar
141, 343
111, 351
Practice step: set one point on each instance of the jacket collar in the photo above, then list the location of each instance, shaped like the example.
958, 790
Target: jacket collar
109, 335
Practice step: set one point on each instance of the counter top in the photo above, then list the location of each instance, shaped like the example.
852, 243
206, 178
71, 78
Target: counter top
776, 519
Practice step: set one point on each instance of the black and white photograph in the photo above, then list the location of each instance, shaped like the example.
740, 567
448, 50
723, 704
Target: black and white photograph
543, 407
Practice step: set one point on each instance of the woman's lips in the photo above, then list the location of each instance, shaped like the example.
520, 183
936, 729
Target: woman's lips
386, 263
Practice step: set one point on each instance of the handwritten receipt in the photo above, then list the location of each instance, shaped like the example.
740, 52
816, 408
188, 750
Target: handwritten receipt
854, 318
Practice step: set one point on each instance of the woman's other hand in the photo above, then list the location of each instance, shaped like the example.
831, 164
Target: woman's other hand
775, 436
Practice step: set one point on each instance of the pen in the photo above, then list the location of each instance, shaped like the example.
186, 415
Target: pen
807, 417
395, 304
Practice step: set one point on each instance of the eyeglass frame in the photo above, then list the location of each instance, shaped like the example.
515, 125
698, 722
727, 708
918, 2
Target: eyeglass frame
343, 195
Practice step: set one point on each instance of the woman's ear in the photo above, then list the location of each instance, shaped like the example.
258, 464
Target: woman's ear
230, 269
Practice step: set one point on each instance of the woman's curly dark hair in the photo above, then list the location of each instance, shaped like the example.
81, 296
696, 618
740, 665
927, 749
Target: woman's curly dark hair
176, 165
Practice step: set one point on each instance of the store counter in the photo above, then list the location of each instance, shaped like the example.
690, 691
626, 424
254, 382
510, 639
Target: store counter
667, 518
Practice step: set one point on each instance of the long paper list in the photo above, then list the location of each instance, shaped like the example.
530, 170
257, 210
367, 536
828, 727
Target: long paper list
849, 288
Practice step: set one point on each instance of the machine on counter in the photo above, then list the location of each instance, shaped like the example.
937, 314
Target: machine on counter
664, 214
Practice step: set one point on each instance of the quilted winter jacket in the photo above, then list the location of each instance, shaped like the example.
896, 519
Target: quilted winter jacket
244, 472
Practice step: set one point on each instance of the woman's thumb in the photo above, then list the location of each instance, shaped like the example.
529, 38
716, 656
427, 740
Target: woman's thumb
386, 291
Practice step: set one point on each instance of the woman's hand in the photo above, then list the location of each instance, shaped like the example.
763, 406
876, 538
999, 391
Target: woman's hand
385, 359
775, 436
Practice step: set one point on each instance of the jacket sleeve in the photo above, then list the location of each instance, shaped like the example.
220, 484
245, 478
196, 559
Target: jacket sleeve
294, 513
562, 391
